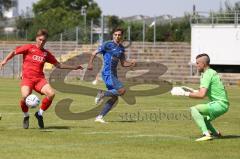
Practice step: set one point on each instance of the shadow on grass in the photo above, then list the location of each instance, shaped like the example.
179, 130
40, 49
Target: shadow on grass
123, 121
230, 137
84, 127
57, 128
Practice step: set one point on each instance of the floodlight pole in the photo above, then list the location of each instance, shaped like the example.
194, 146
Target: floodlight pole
91, 36
154, 31
129, 40
143, 40
77, 29
84, 13
102, 29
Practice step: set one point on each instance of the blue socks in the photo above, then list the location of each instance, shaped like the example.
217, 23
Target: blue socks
109, 104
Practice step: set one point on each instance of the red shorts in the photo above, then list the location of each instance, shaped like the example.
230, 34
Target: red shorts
34, 84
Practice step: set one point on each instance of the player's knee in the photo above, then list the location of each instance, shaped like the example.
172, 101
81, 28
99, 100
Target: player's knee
50, 94
193, 109
121, 91
124, 91
24, 96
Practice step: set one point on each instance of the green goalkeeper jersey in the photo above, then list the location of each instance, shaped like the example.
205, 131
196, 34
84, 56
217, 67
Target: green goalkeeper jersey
216, 90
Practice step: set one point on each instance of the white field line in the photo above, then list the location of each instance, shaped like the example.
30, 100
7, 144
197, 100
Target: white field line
108, 132
135, 135
153, 110
157, 135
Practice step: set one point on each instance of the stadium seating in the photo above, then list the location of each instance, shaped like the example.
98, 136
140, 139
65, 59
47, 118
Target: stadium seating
174, 55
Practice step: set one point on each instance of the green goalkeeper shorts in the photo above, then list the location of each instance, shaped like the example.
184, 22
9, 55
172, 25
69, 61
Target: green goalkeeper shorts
212, 110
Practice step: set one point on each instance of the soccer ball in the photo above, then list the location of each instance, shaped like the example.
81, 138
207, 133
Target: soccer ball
32, 101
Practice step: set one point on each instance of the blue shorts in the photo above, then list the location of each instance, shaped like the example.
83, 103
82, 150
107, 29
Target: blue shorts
112, 82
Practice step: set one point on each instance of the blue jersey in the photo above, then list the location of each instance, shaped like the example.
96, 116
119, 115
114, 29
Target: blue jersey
112, 53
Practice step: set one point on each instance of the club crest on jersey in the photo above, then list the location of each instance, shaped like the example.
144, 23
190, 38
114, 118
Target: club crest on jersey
33, 51
45, 54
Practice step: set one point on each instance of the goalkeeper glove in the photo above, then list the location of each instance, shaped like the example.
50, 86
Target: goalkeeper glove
179, 91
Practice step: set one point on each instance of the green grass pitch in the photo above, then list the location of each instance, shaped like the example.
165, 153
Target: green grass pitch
155, 127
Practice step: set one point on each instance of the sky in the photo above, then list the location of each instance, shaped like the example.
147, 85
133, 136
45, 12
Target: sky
125, 8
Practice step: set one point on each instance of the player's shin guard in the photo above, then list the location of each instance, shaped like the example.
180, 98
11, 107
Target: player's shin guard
108, 106
199, 119
23, 106
46, 102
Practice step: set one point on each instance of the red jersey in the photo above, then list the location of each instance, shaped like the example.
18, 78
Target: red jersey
33, 60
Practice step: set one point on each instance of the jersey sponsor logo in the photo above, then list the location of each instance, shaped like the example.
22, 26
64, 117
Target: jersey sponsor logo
38, 58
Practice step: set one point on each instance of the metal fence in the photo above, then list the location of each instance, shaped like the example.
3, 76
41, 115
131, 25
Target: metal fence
215, 18
13, 68
98, 31
85, 33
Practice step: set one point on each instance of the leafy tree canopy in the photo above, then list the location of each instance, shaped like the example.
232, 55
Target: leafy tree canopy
57, 16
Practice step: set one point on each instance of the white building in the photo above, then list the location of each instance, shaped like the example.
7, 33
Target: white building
13, 11
10, 15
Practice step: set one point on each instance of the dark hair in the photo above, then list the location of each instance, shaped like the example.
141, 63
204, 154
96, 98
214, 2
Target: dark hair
117, 29
42, 32
204, 55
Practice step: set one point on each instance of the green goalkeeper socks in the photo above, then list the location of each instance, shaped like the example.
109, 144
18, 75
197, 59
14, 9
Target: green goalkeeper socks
210, 127
199, 119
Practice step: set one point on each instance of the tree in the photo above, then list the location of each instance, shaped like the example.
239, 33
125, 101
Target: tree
24, 22
58, 16
114, 21
181, 30
73, 6
136, 31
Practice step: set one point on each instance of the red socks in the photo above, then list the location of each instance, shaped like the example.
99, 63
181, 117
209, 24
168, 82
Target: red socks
46, 102
23, 106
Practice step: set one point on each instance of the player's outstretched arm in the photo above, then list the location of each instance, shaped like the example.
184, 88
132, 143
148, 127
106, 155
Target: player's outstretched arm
7, 58
90, 62
179, 91
64, 66
189, 89
199, 94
